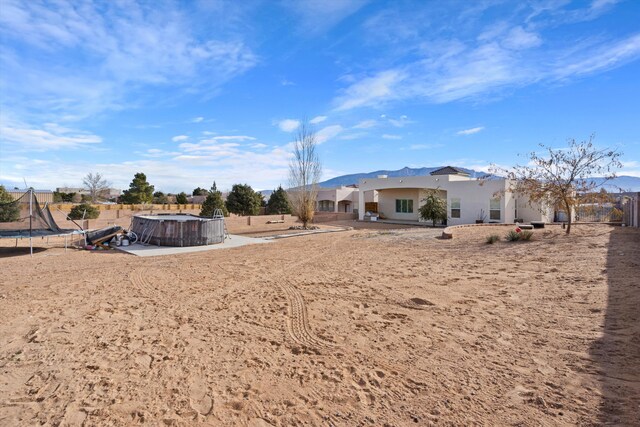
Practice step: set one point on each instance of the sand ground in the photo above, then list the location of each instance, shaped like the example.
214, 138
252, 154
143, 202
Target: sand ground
365, 327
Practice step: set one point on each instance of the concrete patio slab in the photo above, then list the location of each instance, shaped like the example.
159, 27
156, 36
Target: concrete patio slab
233, 241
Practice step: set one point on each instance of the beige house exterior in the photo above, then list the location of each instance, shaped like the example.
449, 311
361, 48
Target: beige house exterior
468, 199
343, 199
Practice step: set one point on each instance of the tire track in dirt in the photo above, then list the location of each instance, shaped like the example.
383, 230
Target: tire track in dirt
298, 326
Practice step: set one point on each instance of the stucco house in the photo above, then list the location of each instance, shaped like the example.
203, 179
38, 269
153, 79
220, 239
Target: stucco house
468, 199
343, 199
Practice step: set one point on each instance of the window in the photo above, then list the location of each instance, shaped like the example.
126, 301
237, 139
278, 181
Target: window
455, 208
404, 205
494, 209
326, 205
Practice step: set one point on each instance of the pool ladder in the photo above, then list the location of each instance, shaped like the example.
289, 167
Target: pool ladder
218, 214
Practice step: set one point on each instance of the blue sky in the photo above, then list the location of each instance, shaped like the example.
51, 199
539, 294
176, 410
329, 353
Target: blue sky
194, 91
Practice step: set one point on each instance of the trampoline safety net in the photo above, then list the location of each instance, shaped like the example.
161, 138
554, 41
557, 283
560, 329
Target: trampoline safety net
24, 217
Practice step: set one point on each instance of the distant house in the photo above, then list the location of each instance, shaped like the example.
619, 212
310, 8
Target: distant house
109, 194
198, 200
468, 199
42, 196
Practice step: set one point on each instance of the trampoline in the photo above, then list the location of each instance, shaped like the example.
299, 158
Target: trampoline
24, 218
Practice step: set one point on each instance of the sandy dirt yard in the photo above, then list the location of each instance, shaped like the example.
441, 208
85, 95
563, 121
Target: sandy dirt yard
363, 327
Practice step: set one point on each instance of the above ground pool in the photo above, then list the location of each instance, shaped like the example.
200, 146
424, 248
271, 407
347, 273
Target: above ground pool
178, 230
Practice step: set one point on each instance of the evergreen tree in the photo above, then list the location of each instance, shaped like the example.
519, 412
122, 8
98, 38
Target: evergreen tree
140, 191
212, 202
242, 200
278, 202
181, 198
200, 192
160, 198
9, 211
84, 211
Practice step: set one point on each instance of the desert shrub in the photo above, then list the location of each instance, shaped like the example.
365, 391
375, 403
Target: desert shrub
526, 235
78, 211
492, 239
512, 236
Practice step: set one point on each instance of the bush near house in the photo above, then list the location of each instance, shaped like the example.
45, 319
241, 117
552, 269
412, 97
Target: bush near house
492, 239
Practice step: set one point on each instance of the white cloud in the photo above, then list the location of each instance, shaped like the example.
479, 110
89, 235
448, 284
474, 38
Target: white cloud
470, 131
316, 16
179, 138
371, 91
327, 133
401, 122
365, 124
233, 138
288, 125
390, 136
478, 62
318, 119
197, 119
50, 136
518, 39
601, 58
75, 61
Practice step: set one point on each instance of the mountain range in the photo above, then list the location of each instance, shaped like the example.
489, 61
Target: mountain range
627, 183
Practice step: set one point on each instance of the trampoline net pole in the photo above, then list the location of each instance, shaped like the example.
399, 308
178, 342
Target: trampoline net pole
31, 221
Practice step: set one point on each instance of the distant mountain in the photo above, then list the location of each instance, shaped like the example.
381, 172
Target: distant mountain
406, 171
624, 182
627, 183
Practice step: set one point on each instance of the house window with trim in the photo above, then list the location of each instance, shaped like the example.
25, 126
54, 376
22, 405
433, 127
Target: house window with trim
404, 206
455, 208
494, 209
326, 205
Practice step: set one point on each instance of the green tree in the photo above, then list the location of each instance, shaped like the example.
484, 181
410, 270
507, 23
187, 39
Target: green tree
140, 191
62, 197
212, 202
84, 211
160, 198
9, 211
181, 198
242, 200
199, 192
434, 208
278, 202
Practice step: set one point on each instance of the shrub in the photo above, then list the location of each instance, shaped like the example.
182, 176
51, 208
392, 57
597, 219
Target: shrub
492, 239
78, 211
512, 236
526, 235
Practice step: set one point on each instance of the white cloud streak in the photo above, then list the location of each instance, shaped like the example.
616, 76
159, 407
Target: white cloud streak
479, 62
318, 119
470, 131
288, 125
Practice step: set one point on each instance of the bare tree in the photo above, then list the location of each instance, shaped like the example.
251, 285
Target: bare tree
562, 177
96, 185
305, 170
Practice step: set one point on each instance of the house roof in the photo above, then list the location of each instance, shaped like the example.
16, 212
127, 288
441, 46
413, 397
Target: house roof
449, 170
